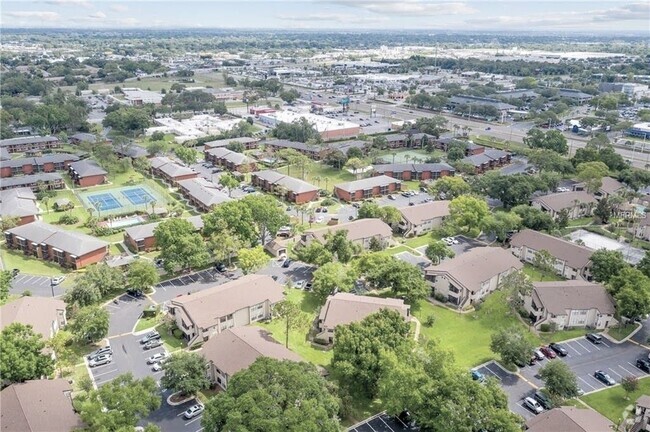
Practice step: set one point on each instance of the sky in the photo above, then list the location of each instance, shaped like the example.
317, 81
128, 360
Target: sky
590, 16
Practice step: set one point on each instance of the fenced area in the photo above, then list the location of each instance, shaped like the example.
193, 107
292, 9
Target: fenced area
596, 241
124, 200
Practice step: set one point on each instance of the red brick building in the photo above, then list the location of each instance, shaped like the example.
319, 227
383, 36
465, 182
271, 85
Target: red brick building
87, 173
230, 160
430, 171
141, 237
26, 166
291, 189
34, 182
20, 203
487, 160
367, 188
24, 144
50, 243
170, 171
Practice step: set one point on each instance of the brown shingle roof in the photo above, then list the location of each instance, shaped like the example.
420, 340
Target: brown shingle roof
563, 200
206, 307
476, 266
235, 349
611, 185
367, 184
344, 308
39, 312
38, 406
420, 213
559, 296
357, 230
643, 401
575, 255
569, 419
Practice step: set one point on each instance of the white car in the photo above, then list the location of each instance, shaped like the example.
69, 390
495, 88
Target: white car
533, 405
100, 360
453, 240
299, 284
157, 367
57, 280
193, 411
157, 358
319, 219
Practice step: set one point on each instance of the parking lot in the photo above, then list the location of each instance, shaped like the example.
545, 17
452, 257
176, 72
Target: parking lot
39, 286
297, 271
380, 423
515, 388
464, 245
124, 312
170, 418
192, 282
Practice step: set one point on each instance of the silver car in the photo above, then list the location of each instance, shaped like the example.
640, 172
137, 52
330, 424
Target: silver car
100, 360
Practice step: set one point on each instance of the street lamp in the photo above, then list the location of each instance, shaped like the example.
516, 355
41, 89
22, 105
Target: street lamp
52, 285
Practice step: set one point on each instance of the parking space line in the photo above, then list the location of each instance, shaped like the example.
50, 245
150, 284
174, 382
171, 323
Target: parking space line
193, 420
581, 379
604, 343
390, 428
571, 346
105, 373
615, 373
584, 347
631, 373
200, 430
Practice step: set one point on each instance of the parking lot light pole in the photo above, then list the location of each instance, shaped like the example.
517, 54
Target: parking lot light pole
52, 285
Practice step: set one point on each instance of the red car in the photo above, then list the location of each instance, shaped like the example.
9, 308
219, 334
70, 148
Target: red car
549, 353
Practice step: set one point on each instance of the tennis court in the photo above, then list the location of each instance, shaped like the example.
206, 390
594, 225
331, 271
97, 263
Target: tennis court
123, 200
138, 196
104, 201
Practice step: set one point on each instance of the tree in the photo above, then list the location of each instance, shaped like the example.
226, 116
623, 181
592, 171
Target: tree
384, 271
299, 130
534, 218
228, 181
437, 250
592, 174
467, 212
9, 222
354, 152
630, 384
545, 262
390, 215
267, 215
314, 253
234, 216
606, 263
290, 95
644, 265
119, 404
358, 347
603, 210
500, 224
294, 318
274, 395
61, 345
224, 244
332, 276
184, 372
517, 285
186, 154
339, 246
180, 245
512, 345
559, 380
5, 285
549, 160
431, 125
98, 281
551, 140
455, 153
633, 301
252, 259
157, 147
450, 187
142, 275
127, 120
23, 357
90, 324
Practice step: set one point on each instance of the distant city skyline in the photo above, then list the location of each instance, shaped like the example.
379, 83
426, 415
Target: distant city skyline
622, 17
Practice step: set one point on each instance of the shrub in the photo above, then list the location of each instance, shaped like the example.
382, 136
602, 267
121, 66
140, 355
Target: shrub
440, 297
429, 321
68, 219
27, 293
328, 202
545, 328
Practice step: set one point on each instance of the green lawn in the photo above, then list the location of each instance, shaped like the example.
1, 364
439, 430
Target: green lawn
147, 323
581, 221
400, 249
562, 335
321, 175
536, 275
621, 332
171, 343
467, 336
80, 372
28, 264
416, 242
298, 341
612, 403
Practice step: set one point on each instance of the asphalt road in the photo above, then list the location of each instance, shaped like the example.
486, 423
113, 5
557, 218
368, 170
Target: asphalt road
39, 286
170, 418
514, 387
125, 313
297, 271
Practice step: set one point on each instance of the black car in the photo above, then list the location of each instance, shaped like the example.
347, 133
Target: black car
604, 378
287, 263
14, 272
543, 400
559, 349
643, 364
134, 293
220, 267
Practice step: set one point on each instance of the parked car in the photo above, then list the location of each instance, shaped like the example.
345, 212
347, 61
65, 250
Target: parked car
160, 262
604, 378
57, 280
478, 376
156, 367
308, 286
156, 358
100, 360
287, 263
559, 349
100, 351
533, 405
543, 400
392, 197
548, 352
134, 293
299, 284
594, 338
154, 343
318, 210
538, 354
220, 267
193, 411
643, 364
150, 336
14, 272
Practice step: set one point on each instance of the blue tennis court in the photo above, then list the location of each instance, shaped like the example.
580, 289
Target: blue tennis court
104, 201
138, 196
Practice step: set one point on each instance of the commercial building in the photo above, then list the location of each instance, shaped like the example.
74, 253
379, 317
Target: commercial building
46, 315
422, 218
87, 173
406, 171
237, 303
361, 232
459, 100
230, 160
202, 194
32, 165
575, 204
576, 95
639, 130
138, 97
570, 304
34, 182
291, 189
345, 308
20, 203
235, 349
367, 188
140, 238
30, 143
170, 171
470, 277
51, 243
329, 129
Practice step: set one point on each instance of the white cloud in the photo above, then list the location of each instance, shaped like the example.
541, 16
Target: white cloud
414, 8
82, 3
99, 15
331, 17
39, 15
119, 7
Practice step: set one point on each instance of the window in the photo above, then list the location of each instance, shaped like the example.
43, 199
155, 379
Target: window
383, 190
453, 289
367, 193
257, 312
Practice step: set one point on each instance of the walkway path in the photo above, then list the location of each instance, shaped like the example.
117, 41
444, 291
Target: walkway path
416, 334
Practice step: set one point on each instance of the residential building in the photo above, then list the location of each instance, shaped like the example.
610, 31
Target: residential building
132, 151
397, 140
471, 276
202, 193
422, 218
46, 315
86, 173
575, 204
569, 304
360, 231
291, 189
230, 160
569, 419
406, 172
236, 303
249, 143
83, 137
20, 203
487, 159
572, 261
642, 229
235, 349
610, 186
23, 144
4, 154
51, 243
170, 171
345, 308
310, 150
39, 406
140, 238
32, 165
367, 188
34, 182
641, 414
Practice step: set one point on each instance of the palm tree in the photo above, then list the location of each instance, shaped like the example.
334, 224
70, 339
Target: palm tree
317, 179
407, 158
393, 154
456, 128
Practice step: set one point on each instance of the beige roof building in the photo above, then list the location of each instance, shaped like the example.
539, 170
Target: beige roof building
360, 231
569, 419
236, 349
421, 218
577, 204
45, 315
345, 308
38, 406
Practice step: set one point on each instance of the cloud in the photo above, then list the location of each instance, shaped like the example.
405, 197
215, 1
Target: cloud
331, 17
128, 22
82, 3
119, 7
99, 15
414, 8
39, 15
628, 12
